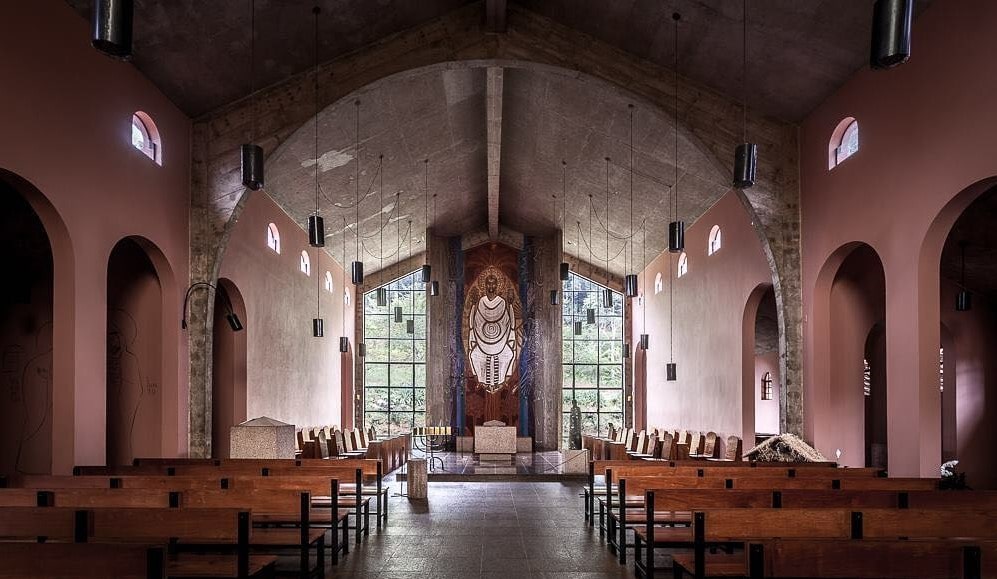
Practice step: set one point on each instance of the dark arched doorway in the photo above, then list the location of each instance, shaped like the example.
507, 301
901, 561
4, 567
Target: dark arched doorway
228, 376
134, 355
26, 312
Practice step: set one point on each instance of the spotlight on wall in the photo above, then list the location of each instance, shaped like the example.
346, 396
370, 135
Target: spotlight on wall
891, 30
252, 166
112, 27
316, 231
671, 372
318, 327
630, 285
344, 344
434, 289
233, 320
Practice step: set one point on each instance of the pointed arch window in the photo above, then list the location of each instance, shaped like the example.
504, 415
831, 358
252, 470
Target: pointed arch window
716, 240
683, 267
306, 263
145, 137
273, 238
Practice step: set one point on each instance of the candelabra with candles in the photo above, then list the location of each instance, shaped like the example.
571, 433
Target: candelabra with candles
433, 439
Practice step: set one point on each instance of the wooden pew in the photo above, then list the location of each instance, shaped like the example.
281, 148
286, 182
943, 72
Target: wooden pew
81, 561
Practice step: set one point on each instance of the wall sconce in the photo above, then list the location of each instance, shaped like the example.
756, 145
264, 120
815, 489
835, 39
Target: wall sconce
233, 320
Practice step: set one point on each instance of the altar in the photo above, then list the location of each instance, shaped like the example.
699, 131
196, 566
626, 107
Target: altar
495, 443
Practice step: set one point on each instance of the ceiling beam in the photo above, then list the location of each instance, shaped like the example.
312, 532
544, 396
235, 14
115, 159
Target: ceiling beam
495, 16
493, 108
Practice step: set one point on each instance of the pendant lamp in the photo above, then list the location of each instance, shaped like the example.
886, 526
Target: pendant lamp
676, 228
316, 225
964, 299
564, 267
630, 280
356, 268
427, 270
362, 350
251, 154
344, 344
578, 329
112, 27
746, 154
398, 314
891, 32
434, 288
630, 285
555, 298
626, 349
607, 298
607, 294
318, 327
645, 341
590, 316
382, 297
409, 326
671, 372
344, 341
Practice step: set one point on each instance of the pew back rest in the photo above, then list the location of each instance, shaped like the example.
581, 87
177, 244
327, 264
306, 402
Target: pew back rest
29, 522
929, 523
732, 449
719, 525
145, 525
81, 560
268, 501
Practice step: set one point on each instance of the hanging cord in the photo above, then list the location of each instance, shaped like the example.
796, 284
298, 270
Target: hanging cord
343, 301
252, 69
356, 152
643, 281
675, 197
316, 10
398, 232
607, 222
380, 213
564, 206
631, 186
744, 71
425, 193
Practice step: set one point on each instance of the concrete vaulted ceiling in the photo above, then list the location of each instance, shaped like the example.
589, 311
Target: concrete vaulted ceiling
496, 136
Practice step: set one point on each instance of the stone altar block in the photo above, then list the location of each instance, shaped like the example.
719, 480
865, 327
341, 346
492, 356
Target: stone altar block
495, 443
262, 438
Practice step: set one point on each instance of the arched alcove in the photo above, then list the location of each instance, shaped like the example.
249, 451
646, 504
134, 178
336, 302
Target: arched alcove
26, 314
135, 369
228, 390
760, 357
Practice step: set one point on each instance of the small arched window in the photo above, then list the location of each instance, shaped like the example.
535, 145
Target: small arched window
145, 137
683, 265
306, 263
716, 240
767, 386
328, 282
346, 297
658, 285
273, 238
844, 142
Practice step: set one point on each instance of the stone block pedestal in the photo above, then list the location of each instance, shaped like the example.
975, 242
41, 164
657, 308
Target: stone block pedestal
418, 479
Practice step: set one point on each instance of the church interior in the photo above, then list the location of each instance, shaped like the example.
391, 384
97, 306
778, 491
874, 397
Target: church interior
481, 288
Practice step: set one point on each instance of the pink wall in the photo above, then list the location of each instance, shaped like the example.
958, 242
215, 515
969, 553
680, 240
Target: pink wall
229, 364
66, 132
971, 374
711, 391
926, 133
291, 376
766, 411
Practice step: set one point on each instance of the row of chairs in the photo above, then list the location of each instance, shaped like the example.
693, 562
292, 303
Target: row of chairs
669, 445
330, 441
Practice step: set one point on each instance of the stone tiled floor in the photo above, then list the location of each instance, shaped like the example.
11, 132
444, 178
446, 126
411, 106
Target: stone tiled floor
480, 530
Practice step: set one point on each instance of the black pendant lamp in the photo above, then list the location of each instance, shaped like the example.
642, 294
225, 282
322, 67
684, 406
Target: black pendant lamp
578, 329
356, 268
318, 327
434, 288
607, 298
316, 231
112, 27
746, 154
344, 344
409, 326
382, 297
316, 225
645, 341
362, 350
671, 372
398, 314
891, 31
676, 228
344, 341
251, 154
555, 298
427, 270
564, 268
626, 349
590, 316
964, 299
427, 273
630, 280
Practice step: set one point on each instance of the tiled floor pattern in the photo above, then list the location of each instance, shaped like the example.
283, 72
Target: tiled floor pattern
528, 463
482, 530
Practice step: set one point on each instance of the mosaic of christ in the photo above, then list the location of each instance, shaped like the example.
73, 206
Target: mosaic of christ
493, 323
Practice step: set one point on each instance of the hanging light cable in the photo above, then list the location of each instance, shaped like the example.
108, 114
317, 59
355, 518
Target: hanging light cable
410, 322
590, 312
645, 340
746, 154
564, 268
427, 270
356, 268
555, 298
382, 292
344, 340
316, 224
251, 154
398, 250
434, 286
676, 228
630, 283
607, 293
964, 299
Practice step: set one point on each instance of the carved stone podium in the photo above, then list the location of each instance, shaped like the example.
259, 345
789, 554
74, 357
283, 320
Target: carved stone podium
262, 438
495, 442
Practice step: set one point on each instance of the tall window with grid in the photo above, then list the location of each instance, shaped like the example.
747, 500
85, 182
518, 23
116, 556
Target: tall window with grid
593, 359
394, 399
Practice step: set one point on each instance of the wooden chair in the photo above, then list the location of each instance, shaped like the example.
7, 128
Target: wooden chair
709, 446
732, 450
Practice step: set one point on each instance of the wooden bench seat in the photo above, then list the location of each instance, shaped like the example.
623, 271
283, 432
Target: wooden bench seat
196, 566
716, 564
81, 560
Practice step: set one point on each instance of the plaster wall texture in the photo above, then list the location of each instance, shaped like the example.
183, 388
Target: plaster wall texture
926, 151
709, 304
73, 159
291, 375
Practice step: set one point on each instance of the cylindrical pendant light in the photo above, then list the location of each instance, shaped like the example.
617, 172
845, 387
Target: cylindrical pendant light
590, 316
382, 297
645, 341
427, 270
564, 267
316, 231
427, 273
671, 372
626, 349
409, 326
344, 344
891, 31
578, 329
746, 154
555, 298
630, 285
964, 299
252, 166
434, 288
112, 27
356, 268
318, 327
233, 321
607, 298
362, 350
344, 341
398, 314
676, 236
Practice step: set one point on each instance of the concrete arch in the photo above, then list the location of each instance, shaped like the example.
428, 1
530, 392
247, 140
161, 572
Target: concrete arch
63, 320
